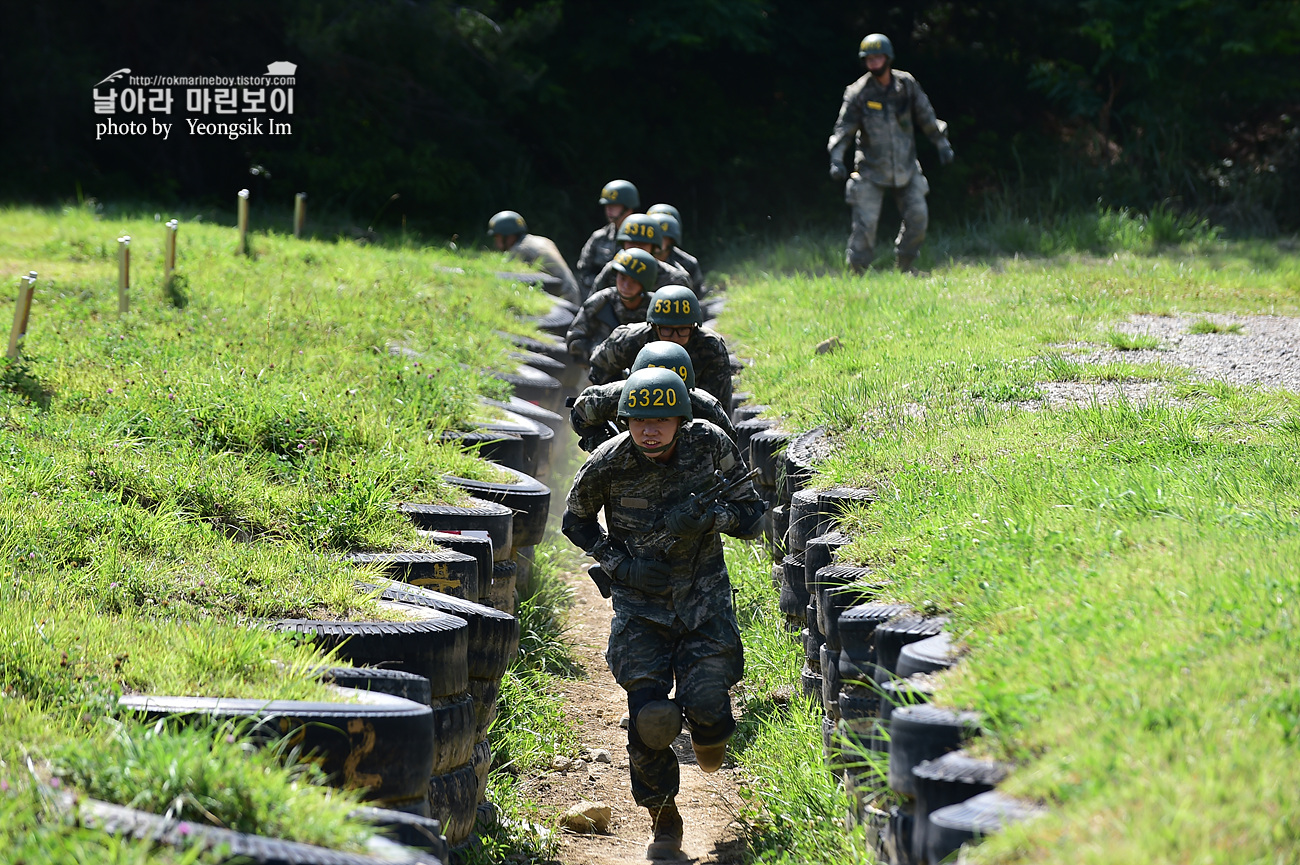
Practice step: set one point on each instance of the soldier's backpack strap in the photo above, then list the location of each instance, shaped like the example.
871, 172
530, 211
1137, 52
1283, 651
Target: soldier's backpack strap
606, 314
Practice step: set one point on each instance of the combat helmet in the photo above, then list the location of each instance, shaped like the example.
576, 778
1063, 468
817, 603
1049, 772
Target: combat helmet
620, 192
675, 306
876, 43
665, 208
639, 265
669, 225
653, 393
507, 222
639, 228
666, 355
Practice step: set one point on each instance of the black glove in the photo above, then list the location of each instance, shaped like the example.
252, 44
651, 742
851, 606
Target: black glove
684, 525
838, 171
946, 155
646, 575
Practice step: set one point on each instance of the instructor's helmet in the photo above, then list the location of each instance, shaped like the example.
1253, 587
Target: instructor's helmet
620, 192
640, 228
651, 393
666, 355
876, 43
665, 208
675, 306
669, 225
638, 264
507, 222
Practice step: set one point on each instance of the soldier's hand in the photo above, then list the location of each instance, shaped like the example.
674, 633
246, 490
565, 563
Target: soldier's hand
684, 525
946, 155
646, 575
838, 171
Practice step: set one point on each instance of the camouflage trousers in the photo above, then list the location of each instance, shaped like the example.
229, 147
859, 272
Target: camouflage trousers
866, 198
647, 658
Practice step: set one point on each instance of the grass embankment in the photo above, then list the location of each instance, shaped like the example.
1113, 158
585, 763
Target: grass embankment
1124, 574
177, 472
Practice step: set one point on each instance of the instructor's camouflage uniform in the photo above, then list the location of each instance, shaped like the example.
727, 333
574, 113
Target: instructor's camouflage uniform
669, 274
534, 248
688, 637
597, 252
596, 320
612, 358
881, 121
597, 406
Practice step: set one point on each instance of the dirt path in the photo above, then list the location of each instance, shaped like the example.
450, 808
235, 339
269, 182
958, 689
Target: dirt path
596, 704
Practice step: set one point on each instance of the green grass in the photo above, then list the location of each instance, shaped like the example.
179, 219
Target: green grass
1121, 341
1124, 575
1204, 325
175, 475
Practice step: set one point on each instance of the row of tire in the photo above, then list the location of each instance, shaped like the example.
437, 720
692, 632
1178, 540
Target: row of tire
871, 664
411, 722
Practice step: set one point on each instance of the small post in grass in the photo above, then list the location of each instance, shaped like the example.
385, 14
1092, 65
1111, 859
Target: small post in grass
299, 213
169, 252
22, 312
123, 274
243, 222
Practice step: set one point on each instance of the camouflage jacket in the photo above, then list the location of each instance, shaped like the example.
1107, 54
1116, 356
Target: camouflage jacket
691, 265
598, 405
597, 252
669, 274
612, 358
881, 121
635, 492
532, 248
596, 320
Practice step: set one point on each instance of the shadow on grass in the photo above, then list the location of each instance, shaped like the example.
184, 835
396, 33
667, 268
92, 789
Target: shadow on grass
16, 376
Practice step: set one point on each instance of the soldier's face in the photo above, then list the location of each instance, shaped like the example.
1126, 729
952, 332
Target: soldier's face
614, 213
654, 432
629, 290
876, 63
500, 242
679, 335
644, 247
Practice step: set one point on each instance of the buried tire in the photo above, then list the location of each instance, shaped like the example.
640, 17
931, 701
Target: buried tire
486, 519
528, 499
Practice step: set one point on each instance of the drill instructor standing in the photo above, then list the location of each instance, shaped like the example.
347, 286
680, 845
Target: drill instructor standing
879, 116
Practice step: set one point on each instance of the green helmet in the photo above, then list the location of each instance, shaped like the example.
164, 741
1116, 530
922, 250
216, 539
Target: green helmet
638, 264
665, 208
507, 222
876, 43
666, 355
639, 228
669, 225
675, 306
621, 192
654, 393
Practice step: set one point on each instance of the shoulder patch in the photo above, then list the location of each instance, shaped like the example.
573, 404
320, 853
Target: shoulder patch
728, 462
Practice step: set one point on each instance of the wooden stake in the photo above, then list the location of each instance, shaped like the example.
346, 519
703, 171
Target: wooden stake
124, 274
299, 213
169, 251
22, 312
243, 222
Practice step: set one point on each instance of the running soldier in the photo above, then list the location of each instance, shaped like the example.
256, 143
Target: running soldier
641, 231
669, 488
511, 235
625, 303
670, 235
620, 199
880, 111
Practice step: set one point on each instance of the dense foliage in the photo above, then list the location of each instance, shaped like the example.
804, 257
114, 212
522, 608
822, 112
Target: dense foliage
722, 106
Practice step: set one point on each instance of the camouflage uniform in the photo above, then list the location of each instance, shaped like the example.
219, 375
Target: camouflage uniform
708, 351
533, 248
597, 252
880, 120
597, 406
691, 265
669, 274
688, 637
596, 320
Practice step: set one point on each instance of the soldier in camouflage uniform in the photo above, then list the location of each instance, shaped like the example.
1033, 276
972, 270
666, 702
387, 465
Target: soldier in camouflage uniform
596, 409
624, 303
511, 235
878, 116
674, 316
641, 231
670, 234
674, 624
619, 198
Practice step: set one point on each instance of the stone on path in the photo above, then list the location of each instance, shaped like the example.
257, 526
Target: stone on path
587, 817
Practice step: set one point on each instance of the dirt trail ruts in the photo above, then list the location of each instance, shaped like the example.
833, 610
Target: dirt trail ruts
595, 705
